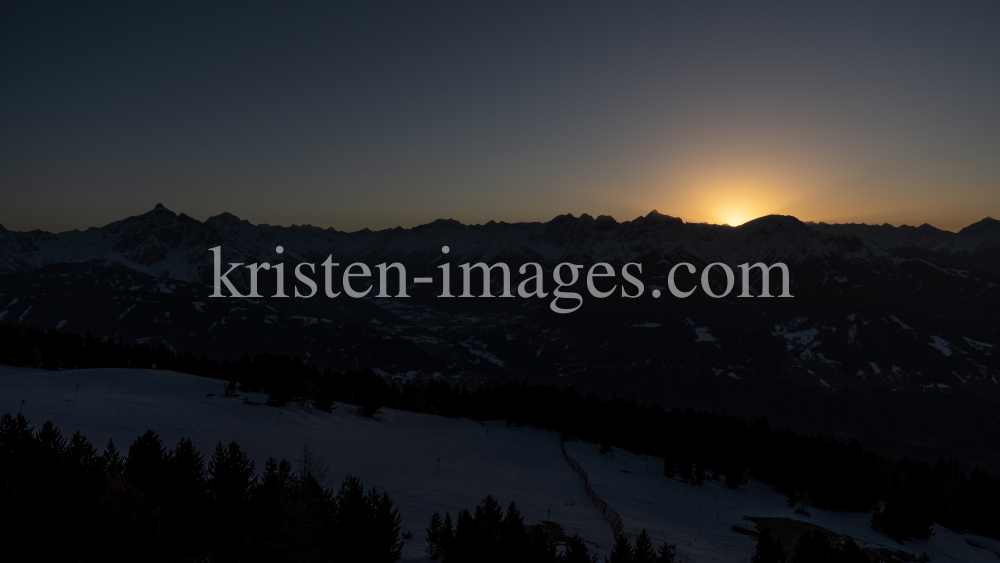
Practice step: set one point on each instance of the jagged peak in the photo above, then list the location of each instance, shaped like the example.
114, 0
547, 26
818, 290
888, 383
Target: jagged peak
979, 226
159, 207
2, 229
225, 216
658, 217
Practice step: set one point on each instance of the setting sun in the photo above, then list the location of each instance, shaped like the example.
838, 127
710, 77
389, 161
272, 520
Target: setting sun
735, 218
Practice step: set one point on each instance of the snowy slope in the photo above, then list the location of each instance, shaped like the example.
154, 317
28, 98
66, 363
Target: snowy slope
399, 454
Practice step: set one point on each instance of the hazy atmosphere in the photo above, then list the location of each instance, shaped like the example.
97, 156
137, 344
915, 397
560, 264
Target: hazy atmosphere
355, 115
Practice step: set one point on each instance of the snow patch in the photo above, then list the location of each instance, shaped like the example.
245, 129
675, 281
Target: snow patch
941, 344
975, 344
901, 323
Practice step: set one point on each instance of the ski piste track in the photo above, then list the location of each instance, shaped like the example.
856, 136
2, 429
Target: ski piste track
607, 512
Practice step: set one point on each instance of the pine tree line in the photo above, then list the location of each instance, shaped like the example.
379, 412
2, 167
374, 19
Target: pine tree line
814, 546
642, 552
488, 535
63, 501
905, 495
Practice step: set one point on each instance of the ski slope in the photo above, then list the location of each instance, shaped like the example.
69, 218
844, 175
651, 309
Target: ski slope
400, 454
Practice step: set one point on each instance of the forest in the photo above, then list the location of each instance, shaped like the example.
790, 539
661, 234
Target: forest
62, 500
905, 496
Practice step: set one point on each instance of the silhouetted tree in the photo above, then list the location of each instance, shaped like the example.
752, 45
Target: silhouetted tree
621, 551
577, 552
769, 549
643, 552
812, 547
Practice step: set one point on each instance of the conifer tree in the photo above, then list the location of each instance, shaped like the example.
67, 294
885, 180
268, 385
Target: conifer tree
465, 544
667, 553
112, 461
851, 553
51, 442
386, 545
577, 551
351, 515
622, 551
541, 549
812, 547
699, 474
231, 481
83, 463
435, 537
16, 439
147, 464
669, 466
271, 501
513, 536
231, 475
186, 466
447, 537
684, 466
769, 548
736, 475
187, 499
905, 515
643, 552
306, 511
310, 464
488, 518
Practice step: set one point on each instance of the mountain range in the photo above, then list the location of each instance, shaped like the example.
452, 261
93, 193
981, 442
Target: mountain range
891, 335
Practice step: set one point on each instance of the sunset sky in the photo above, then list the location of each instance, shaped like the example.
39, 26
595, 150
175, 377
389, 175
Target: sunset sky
375, 115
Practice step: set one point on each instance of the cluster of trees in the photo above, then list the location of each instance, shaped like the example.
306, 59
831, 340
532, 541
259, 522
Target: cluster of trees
642, 552
61, 500
906, 495
489, 535
813, 546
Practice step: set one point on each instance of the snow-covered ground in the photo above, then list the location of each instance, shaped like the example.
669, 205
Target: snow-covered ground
400, 454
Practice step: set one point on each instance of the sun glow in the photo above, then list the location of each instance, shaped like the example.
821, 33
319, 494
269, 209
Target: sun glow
736, 202
735, 217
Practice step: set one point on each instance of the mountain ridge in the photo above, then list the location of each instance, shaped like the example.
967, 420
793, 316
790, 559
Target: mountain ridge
167, 244
886, 322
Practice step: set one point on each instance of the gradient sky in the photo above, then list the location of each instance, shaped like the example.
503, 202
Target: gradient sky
382, 114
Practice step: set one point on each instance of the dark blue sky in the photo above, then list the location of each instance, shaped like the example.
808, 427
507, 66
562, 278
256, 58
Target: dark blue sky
384, 114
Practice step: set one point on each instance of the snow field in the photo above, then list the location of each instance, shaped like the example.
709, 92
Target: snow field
400, 453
